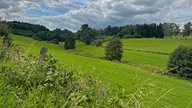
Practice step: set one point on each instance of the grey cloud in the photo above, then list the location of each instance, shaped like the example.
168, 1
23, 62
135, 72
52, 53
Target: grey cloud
99, 13
62, 3
145, 2
4, 5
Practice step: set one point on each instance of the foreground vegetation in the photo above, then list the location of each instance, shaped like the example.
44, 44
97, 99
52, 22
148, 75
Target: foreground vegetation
28, 82
146, 88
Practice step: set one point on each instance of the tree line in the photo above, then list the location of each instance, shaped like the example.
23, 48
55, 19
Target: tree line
88, 35
39, 32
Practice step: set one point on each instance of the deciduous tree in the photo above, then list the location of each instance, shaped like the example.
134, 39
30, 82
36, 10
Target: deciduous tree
69, 43
113, 50
187, 29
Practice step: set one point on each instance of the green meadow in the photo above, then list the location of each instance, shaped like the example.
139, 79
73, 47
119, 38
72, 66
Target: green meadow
154, 89
166, 45
140, 52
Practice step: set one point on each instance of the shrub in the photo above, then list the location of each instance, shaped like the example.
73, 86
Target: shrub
180, 62
69, 43
113, 50
54, 41
97, 42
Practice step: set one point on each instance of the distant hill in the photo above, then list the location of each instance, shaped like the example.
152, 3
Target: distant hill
38, 32
25, 29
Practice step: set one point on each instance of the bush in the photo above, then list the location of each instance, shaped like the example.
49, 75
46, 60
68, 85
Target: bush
97, 42
69, 43
54, 41
114, 50
180, 62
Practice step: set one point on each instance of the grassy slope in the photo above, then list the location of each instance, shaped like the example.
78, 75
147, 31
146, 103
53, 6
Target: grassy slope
125, 76
156, 45
137, 51
135, 57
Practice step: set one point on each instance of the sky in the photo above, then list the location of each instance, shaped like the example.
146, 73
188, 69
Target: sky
71, 14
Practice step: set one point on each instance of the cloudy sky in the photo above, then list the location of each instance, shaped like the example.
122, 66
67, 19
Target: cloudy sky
71, 14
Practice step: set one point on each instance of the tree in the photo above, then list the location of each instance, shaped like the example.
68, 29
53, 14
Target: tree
86, 34
120, 35
113, 50
69, 43
187, 29
170, 29
160, 33
108, 31
180, 62
128, 30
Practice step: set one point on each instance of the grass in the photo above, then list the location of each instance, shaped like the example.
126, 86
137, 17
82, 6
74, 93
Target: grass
158, 90
146, 59
140, 52
129, 56
155, 45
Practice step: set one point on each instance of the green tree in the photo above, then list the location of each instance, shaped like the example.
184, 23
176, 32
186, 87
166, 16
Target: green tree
160, 33
128, 30
69, 43
170, 29
180, 62
108, 31
113, 50
187, 29
86, 34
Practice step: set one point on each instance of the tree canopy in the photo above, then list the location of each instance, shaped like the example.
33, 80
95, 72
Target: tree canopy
69, 43
170, 29
86, 34
113, 50
180, 62
187, 29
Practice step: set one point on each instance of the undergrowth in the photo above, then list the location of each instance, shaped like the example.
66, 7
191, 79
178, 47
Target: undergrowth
27, 83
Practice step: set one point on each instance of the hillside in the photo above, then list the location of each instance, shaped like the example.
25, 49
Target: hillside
154, 90
151, 54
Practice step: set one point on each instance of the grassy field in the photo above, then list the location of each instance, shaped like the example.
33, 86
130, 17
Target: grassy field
154, 90
140, 52
155, 45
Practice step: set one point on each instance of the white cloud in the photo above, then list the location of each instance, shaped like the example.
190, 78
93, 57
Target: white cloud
99, 13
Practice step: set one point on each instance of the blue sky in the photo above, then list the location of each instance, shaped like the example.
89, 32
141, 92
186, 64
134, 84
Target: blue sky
44, 10
71, 14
